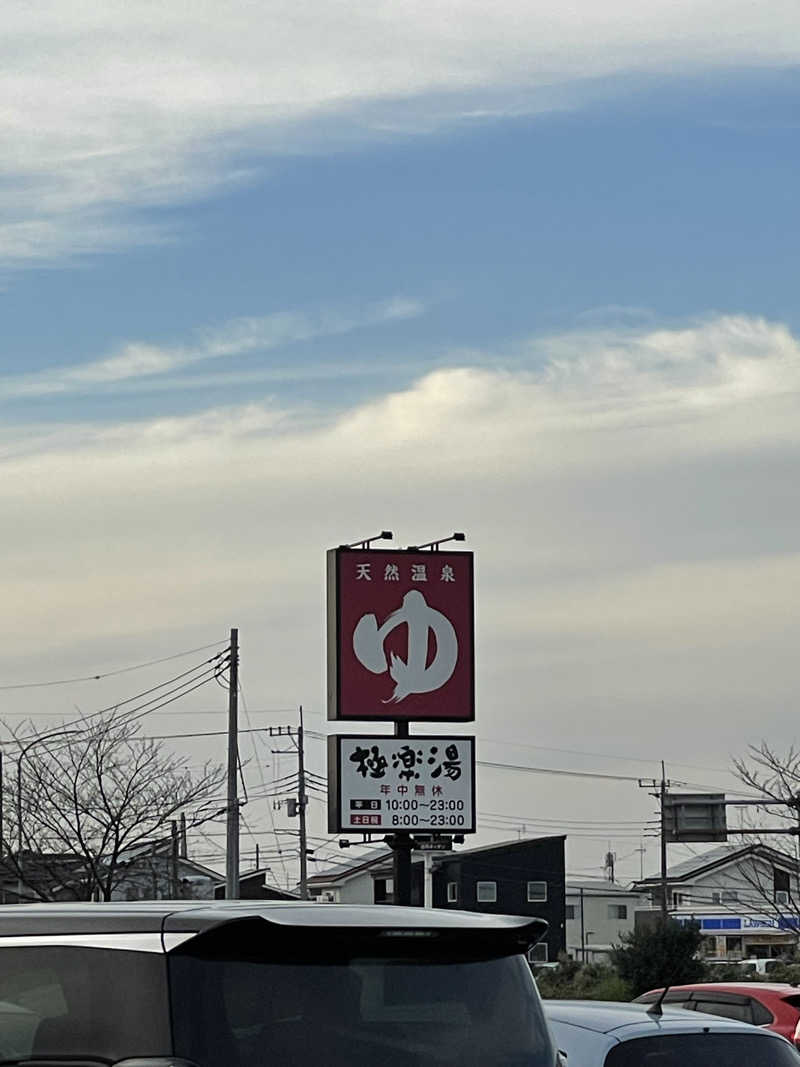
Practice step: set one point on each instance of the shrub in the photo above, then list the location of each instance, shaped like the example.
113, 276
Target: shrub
664, 954
578, 981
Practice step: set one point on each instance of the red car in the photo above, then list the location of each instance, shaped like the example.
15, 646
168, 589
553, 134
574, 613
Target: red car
772, 1005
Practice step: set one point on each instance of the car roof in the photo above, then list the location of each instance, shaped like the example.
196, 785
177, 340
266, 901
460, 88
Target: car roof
627, 1020
170, 916
774, 988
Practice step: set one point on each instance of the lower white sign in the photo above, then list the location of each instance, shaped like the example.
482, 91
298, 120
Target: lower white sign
385, 784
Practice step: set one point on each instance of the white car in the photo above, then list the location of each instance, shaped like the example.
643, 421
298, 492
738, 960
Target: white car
600, 1034
267, 984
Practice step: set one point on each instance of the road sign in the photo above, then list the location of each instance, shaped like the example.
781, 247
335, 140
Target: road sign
695, 817
400, 635
382, 784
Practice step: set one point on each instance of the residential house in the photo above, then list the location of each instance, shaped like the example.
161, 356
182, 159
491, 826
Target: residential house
366, 879
745, 899
149, 871
516, 877
598, 913
155, 871
253, 885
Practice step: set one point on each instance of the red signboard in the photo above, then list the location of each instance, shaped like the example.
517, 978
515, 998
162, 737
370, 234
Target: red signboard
400, 635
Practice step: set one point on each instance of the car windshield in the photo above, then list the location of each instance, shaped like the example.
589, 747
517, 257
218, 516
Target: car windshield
703, 1050
363, 1009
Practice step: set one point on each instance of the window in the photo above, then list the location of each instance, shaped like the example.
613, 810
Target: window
730, 896
698, 1050
618, 911
781, 883
781, 897
486, 892
452, 892
63, 1001
715, 897
384, 890
537, 892
739, 1008
251, 1003
679, 899
569, 911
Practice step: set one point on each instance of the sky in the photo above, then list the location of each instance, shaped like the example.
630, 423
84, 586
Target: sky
274, 279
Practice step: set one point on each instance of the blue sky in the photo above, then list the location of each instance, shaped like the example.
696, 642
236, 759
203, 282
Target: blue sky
663, 201
271, 280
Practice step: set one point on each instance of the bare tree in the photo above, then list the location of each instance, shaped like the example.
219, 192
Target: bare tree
89, 796
774, 778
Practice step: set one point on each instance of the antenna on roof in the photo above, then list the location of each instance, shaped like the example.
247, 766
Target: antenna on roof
655, 1008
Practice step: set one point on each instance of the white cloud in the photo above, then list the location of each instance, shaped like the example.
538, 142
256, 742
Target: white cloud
112, 106
238, 337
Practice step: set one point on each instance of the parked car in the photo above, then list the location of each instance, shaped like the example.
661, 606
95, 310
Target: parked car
600, 1034
774, 1005
251, 984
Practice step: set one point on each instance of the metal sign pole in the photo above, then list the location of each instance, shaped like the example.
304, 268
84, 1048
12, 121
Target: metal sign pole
401, 846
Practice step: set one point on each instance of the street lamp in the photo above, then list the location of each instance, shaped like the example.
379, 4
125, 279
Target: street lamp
22, 752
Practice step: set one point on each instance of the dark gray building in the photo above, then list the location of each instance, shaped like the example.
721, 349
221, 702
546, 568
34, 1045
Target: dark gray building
513, 878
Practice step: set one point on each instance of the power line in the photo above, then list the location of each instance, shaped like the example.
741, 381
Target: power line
206, 733
553, 770
109, 674
200, 675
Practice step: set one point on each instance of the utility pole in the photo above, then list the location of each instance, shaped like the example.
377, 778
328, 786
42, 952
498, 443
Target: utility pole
296, 806
660, 794
232, 828
641, 850
663, 799
174, 886
302, 801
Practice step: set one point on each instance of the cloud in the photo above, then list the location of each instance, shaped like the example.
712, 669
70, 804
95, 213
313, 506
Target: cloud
631, 500
238, 337
116, 107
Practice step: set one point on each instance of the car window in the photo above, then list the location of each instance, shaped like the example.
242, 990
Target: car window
762, 1016
69, 1001
677, 998
704, 1050
355, 1011
741, 1010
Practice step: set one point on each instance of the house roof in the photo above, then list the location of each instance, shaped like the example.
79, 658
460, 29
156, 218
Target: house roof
516, 845
599, 887
716, 858
341, 872
260, 874
382, 857
129, 856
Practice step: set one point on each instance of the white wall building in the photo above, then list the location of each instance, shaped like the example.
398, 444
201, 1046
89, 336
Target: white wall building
745, 899
354, 883
598, 912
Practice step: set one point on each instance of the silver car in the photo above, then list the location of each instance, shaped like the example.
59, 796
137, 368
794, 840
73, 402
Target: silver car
600, 1034
267, 984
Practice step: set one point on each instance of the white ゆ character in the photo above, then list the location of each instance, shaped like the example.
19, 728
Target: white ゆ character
414, 675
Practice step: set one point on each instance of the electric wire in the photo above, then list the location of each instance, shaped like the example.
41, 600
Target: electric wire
110, 674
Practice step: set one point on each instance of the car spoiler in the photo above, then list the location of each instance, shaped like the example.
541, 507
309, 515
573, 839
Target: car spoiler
388, 931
